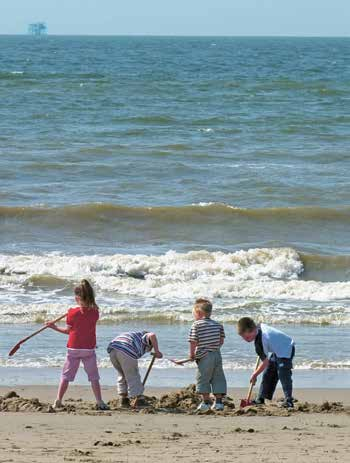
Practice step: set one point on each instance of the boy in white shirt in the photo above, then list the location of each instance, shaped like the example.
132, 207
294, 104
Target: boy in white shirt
276, 351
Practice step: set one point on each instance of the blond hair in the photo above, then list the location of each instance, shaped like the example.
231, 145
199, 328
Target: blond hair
204, 306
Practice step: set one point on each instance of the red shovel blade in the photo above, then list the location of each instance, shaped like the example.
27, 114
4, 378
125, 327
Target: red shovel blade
245, 403
14, 349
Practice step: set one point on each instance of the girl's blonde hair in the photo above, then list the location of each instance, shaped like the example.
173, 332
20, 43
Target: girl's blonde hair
86, 294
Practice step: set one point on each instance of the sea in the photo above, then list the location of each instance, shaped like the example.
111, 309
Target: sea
164, 169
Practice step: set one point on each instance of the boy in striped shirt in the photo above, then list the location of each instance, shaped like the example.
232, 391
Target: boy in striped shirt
206, 338
124, 352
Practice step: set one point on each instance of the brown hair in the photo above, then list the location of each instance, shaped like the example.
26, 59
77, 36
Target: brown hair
86, 294
203, 305
245, 325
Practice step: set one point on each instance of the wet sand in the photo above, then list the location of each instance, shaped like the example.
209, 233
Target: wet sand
312, 433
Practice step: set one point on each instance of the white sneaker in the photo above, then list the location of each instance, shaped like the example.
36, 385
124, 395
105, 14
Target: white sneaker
100, 405
57, 404
203, 407
218, 407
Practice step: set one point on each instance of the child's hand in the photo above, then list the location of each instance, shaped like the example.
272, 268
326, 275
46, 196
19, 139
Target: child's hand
158, 354
51, 325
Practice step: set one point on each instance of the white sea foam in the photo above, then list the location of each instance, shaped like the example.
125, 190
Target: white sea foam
263, 273
149, 312
56, 361
262, 282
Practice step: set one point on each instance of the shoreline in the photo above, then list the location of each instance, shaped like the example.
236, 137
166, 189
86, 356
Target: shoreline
169, 378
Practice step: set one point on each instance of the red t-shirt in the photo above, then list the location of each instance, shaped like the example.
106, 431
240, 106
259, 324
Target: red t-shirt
83, 328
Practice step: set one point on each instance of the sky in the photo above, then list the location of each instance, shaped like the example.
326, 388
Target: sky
179, 17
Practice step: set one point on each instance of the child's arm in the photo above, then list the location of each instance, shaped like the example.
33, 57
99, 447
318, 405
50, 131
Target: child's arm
193, 347
58, 329
259, 370
222, 335
154, 341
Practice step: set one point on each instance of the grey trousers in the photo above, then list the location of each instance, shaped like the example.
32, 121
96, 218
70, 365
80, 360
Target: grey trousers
210, 374
129, 379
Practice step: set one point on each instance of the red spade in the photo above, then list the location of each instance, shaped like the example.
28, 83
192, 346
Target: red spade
247, 401
22, 341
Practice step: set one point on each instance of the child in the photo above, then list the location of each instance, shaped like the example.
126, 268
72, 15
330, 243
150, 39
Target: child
124, 352
81, 329
276, 351
206, 338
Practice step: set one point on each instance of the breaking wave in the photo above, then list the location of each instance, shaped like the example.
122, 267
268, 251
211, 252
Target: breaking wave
171, 275
264, 282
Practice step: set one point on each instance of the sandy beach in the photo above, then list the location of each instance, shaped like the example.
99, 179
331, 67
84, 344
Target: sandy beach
311, 433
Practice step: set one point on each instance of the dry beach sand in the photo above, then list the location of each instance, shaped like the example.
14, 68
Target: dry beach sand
169, 430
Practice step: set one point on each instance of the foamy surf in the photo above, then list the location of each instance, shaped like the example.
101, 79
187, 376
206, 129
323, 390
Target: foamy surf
264, 282
172, 275
52, 361
150, 313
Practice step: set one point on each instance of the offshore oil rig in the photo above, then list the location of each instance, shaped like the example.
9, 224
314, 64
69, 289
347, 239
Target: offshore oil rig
37, 29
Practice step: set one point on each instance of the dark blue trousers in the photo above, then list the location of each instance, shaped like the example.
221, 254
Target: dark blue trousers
279, 369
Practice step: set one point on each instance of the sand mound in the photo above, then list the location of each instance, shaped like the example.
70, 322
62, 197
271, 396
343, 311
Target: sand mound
273, 409
182, 401
12, 402
326, 407
185, 399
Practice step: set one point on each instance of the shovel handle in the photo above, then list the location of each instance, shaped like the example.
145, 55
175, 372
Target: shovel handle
149, 369
252, 384
43, 328
22, 341
180, 362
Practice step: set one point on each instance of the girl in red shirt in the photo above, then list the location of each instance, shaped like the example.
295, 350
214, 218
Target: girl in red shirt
81, 329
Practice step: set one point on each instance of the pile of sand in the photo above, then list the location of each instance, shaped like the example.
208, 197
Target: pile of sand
273, 409
325, 407
183, 401
12, 402
186, 399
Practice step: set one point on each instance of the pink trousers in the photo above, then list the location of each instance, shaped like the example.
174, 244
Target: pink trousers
71, 365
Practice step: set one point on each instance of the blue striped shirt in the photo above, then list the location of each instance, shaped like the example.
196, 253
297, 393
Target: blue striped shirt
134, 344
208, 334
